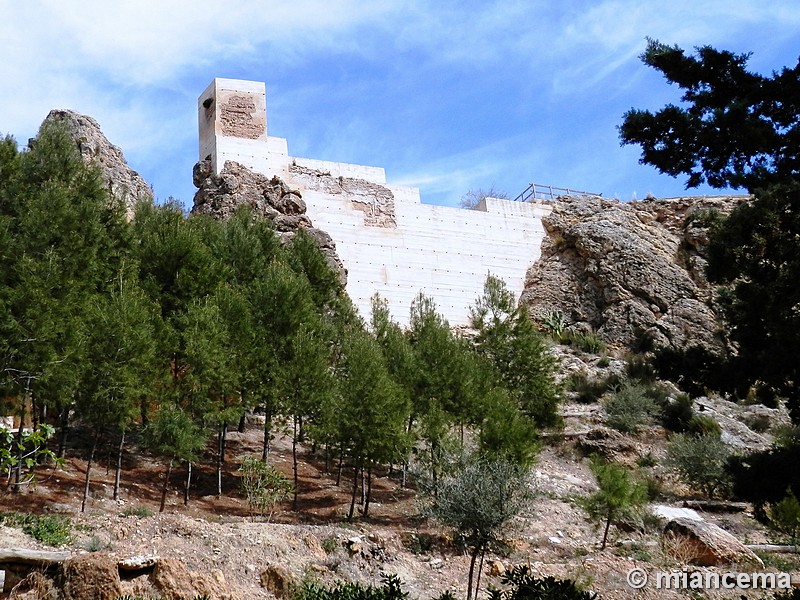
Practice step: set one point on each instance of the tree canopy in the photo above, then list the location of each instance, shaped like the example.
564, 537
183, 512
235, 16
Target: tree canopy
735, 128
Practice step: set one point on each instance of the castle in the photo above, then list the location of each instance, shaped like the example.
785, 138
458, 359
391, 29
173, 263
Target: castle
387, 239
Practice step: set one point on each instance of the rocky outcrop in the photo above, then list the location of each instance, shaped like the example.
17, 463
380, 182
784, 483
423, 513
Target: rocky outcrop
122, 181
706, 544
175, 582
91, 576
629, 270
220, 195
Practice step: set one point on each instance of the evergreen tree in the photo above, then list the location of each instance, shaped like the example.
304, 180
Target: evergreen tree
65, 241
740, 129
173, 435
121, 349
736, 128
372, 411
619, 495
507, 339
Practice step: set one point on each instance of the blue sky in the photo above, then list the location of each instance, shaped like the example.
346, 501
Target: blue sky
446, 96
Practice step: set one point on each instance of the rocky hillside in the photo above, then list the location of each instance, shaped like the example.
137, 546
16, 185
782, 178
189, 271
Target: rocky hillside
121, 180
220, 195
627, 270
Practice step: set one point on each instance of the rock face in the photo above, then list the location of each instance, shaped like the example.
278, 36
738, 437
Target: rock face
122, 181
703, 543
175, 582
91, 576
220, 195
627, 270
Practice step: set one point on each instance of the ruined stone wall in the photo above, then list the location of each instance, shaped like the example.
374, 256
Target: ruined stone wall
390, 243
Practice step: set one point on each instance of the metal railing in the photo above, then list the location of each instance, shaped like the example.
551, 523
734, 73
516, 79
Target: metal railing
548, 192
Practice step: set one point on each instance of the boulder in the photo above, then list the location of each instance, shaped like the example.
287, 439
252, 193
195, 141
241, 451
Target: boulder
90, 576
119, 178
706, 544
278, 580
629, 270
175, 581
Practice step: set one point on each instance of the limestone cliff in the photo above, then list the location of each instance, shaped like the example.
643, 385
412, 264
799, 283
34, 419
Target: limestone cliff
220, 195
120, 179
627, 270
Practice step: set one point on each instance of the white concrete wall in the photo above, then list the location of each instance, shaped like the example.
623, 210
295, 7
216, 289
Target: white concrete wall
444, 252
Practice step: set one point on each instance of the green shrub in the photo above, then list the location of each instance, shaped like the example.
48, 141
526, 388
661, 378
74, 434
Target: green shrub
704, 425
330, 545
675, 415
630, 408
94, 544
520, 584
641, 369
391, 589
703, 217
263, 486
588, 389
785, 516
654, 487
646, 461
137, 511
700, 460
53, 530
586, 342
758, 423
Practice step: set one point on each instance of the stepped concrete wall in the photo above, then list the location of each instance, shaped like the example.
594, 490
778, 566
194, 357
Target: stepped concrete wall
391, 243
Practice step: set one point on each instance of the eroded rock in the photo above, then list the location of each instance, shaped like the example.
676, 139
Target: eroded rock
122, 181
629, 270
176, 582
91, 576
278, 580
706, 544
220, 195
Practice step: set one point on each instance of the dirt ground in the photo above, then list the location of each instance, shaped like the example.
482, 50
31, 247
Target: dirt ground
216, 535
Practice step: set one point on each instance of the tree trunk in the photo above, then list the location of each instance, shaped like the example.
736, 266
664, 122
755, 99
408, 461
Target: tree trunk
118, 471
472, 560
166, 486
88, 472
363, 489
605, 533
339, 469
20, 449
188, 483
294, 460
242, 423
34, 415
267, 432
353, 497
63, 425
221, 437
480, 571
369, 491
434, 474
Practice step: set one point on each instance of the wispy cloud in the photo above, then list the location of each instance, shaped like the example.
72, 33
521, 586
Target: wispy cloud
449, 95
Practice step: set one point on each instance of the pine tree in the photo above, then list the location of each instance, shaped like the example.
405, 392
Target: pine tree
121, 349
507, 339
372, 411
619, 495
